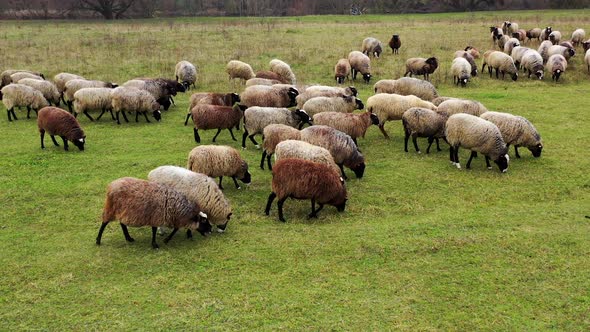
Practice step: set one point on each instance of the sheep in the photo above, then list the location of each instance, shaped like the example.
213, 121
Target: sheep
533, 63
567, 44
186, 73
211, 98
257, 118
134, 100
558, 49
60, 82
161, 89
342, 70
302, 150
21, 95
344, 104
500, 61
520, 35
304, 179
360, 63
56, 121
6, 79
496, 33
544, 50
454, 106
510, 27
354, 125
516, 130
326, 91
134, 202
269, 96
372, 46
555, 37
421, 66
283, 70
502, 41
578, 36
534, 34
461, 70
48, 89
510, 44
16, 77
390, 107
274, 134
422, 122
198, 188
219, 161
477, 135
467, 56
517, 54
586, 45
473, 51
239, 69
395, 43
216, 117
587, 59
545, 33
93, 99
261, 81
340, 145
407, 86
76, 84
556, 65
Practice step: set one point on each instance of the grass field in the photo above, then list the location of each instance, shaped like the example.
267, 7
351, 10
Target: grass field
421, 245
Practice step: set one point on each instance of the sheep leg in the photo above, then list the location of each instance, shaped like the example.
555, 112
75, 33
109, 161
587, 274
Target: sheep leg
169, 237
65, 143
312, 214
136, 116
118, 122
112, 116
187, 117
430, 140
124, 116
99, 236
497, 73
342, 171
280, 206
28, 112
254, 141
271, 198
54, 141
128, 237
382, 128
8, 113
196, 134
101, 113
189, 234
69, 103
42, 138
355, 142
262, 160
516, 151
220, 179
215, 137
244, 138
154, 243
88, 115
415, 141
232, 134
468, 166
236, 182
354, 72
146, 117
488, 162
437, 145
268, 162
319, 208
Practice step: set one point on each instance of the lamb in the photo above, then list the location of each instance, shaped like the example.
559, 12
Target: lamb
134, 100
354, 125
137, 203
467, 56
455, 106
87, 99
303, 150
274, 134
544, 50
216, 117
48, 89
342, 70
390, 107
21, 95
219, 161
556, 65
211, 98
472, 51
360, 63
510, 44
283, 70
395, 43
304, 179
261, 81
587, 59
477, 135
269, 96
408, 86
555, 37
60, 82
344, 104
500, 61
16, 77
6, 79
578, 37
56, 121
372, 46
239, 69
198, 188
340, 145
421, 66
533, 63
517, 131
461, 70
422, 122
534, 34
186, 72
257, 118
545, 33
558, 49
76, 84
326, 91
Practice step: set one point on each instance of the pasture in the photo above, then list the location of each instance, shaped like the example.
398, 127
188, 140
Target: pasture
421, 245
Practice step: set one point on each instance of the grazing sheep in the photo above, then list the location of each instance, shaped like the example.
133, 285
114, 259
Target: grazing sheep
283, 70
134, 100
277, 95
454, 106
48, 89
21, 95
274, 134
372, 46
134, 202
439, 100
359, 62
341, 147
57, 122
544, 50
461, 70
556, 65
161, 89
510, 44
520, 35
406, 86
261, 81
207, 116
534, 34
219, 161
467, 56
555, 37
517, 131
76, 84
578, 37
6, 79
587, 59
500, 61
395, 43
558, 49
421, 66
186, 73
545, 33
422, 122
354, 125
60, 82
473, 51
477, 135
303, 179
257, 118
239, 69
533, 63
87, 99
303, 150
342, 70
198, 188
211, 98
325, 91
517, 54
390, 107
16, 77
344, 104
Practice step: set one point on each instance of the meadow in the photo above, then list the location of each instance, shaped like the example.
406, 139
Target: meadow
421, 245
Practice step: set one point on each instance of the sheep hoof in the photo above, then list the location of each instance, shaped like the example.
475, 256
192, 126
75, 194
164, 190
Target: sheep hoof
257, 147
239, 188
489, 168
458, 165
219, 230
419, 152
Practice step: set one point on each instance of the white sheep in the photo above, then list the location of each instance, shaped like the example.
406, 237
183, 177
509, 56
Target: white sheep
239, 69
88, 99
257, 118
556, 65
360, 63
406, 86
422, 122
345, 104
274, 134
461, 70
21, 95
283, 70
48, 89
372, 46
126, 99
578, 36
219, 161
532, 62
186, 73
500, 61
516, 130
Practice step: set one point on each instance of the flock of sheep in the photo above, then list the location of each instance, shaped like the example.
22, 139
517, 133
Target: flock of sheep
309, 161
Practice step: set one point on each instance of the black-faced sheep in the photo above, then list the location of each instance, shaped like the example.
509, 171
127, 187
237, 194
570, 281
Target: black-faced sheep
211, 98
283, 70
555, 37
467, 56
360, 63
545, 33
342, 70
48, 89
500, 61
60, 82
354, 125
544, 49
20, 95
461, 71
134, 100
257, 118
422, 122
207, 116
395, 43
57, 122
510, 44
325, 91
219, 161
496, 33
76, 84
516, 130
534, 34
556, 65
93, 99
5, 77
16, 77
274, 134
474, 52
578, 37
269, 96
186, 73
372, 46
344, 104
533, 63
239, 69
421, 66
558, 49
406, 86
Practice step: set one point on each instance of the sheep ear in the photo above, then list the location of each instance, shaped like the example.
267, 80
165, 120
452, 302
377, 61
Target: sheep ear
229, 215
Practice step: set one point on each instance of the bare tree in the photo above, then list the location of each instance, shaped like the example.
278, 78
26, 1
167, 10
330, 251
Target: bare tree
109, 9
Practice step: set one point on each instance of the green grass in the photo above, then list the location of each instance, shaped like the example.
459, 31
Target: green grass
421, 245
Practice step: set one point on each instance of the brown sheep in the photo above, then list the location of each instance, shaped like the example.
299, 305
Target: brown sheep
395, 43
56, 121
211, 98
421, 66
216, 117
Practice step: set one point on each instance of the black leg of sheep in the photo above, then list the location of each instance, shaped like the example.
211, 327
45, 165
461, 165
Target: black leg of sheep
28, 112
215, 137
42, 139
232, 134
128, 238
220, 179
187, 117
88, 115
342, 171
262, 159
280, 207
154, 232
271, 198
196, 134
101, 113
54, 141
488, 163
146, 117
236, 182
66, 148
169, 237
415, 141
468, 166
268, 162
99, 236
